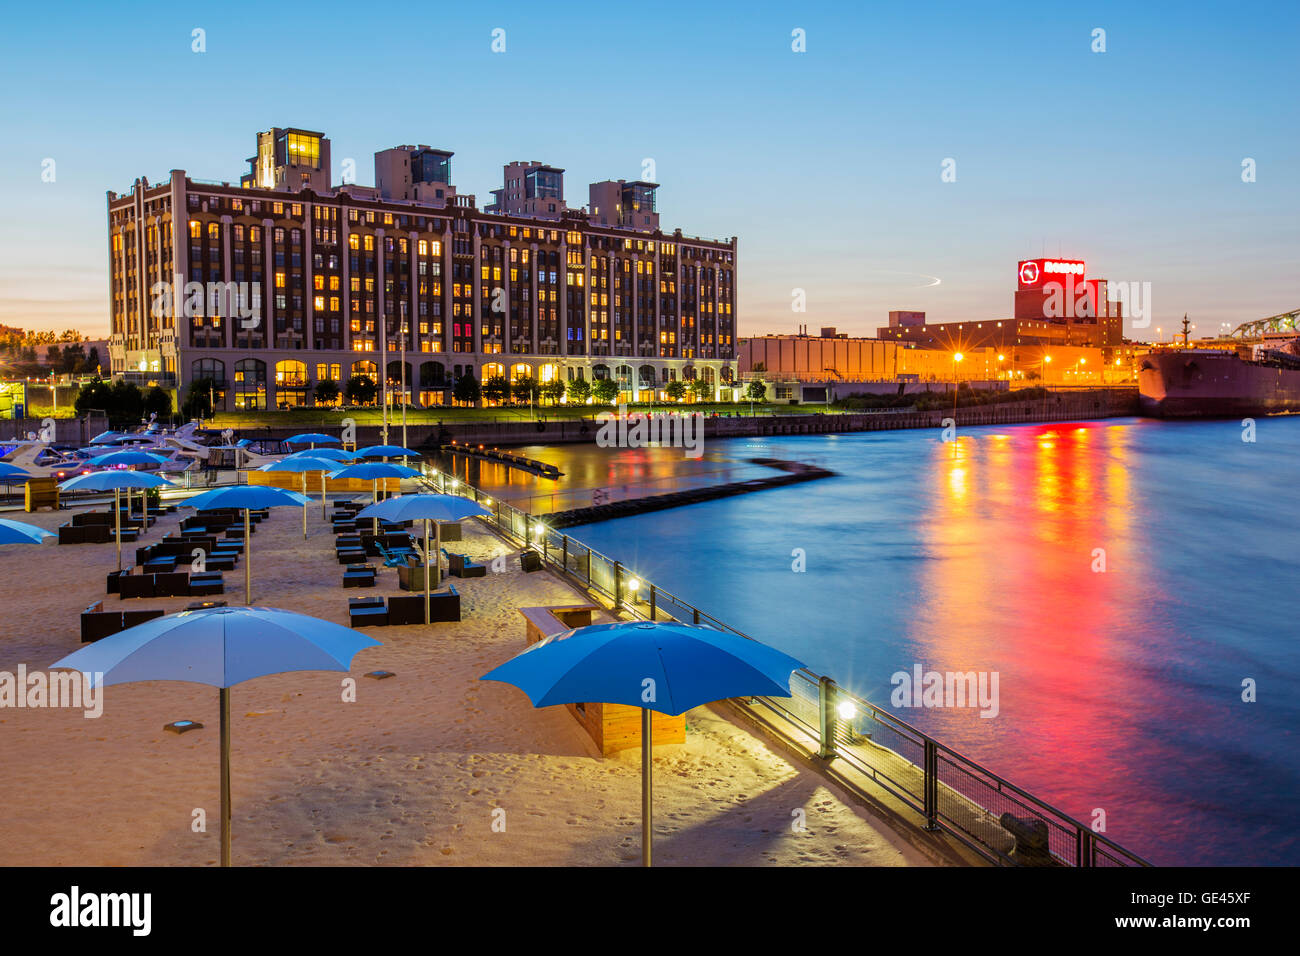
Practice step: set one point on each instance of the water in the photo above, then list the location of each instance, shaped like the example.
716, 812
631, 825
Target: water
1119, 690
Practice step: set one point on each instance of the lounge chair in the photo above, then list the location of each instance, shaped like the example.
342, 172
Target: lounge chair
392, 559
409, 608
460, 565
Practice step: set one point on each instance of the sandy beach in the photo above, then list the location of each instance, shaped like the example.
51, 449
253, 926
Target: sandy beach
411, 773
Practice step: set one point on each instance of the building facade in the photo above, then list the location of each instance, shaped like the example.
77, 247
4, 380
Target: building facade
268, 290
1055, 305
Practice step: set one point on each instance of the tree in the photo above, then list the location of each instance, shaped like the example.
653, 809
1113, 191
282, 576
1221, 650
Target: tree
553, 391
605, 390
676, 390
496, 388
327, 391
127, 403
54, 357
158, 402
525, 390
757, 390
360, 390
702, 390
92, 360
198, 400
579, 391
467, 390
74, 358
94, 395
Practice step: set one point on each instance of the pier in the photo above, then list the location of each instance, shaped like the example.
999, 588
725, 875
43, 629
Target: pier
792, 472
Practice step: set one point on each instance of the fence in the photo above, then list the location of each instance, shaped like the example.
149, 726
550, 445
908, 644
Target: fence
952, 792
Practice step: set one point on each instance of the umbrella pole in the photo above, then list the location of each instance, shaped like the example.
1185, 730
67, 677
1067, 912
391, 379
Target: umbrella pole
437, 553
647, 787
225, 776
428, 561
374, 497
304, 506
117, 524
322, 496
248, 560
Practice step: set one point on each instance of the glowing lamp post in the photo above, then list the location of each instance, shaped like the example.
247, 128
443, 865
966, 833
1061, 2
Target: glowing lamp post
956, 357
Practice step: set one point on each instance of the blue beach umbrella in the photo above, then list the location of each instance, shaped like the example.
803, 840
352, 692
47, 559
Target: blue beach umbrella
312, 439
386, 451
115, 481
127, 458
426, 508
372, 471
330, 454
246, 498
220, 646
680, 665
301, 464
19, 532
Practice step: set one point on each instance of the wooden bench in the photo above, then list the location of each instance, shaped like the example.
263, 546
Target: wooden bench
613, 727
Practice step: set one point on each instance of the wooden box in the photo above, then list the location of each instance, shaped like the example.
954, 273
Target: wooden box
42, 493
613, 727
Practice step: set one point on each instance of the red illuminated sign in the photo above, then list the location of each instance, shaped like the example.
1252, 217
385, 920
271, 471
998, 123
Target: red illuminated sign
1033, 272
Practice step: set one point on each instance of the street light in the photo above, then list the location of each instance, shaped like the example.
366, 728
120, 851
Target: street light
956, 357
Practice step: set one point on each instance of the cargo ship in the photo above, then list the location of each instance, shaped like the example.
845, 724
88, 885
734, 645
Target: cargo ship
1228, 379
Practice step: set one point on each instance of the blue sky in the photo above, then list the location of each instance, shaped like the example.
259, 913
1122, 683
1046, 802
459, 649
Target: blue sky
826, 163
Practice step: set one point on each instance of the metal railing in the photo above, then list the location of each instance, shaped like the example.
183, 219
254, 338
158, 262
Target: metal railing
953, 793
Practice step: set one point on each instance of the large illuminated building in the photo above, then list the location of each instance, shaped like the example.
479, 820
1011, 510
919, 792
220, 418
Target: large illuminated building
272, 285
1055, 305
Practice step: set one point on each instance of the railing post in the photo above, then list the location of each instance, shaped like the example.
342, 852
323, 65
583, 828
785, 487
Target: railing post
1085, 848
826, 713
566, 552
618, 585
546, 538
697, 615
931, 785
652, 602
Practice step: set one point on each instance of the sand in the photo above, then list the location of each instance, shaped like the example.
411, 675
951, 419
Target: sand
416, 771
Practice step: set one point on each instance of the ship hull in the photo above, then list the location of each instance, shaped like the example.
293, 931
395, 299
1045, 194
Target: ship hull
1197, 383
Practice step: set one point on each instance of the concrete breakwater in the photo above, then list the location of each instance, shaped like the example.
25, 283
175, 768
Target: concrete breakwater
1057, 406
792, 472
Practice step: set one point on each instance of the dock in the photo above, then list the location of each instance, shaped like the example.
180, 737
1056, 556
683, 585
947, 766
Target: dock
792, 472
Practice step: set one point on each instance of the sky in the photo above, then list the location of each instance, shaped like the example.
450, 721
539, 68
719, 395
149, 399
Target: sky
827, 163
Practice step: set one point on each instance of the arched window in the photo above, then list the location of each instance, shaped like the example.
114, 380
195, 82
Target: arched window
214, 369
291, 384
250, 383
646, 374
599, 371
367, 368
433, 375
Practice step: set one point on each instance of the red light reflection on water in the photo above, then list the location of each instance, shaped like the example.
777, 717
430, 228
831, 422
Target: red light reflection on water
1019, 529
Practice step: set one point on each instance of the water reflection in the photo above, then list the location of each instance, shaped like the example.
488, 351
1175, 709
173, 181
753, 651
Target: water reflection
1120, 690
591, 474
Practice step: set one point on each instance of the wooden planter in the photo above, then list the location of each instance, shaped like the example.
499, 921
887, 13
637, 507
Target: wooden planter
613, 727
